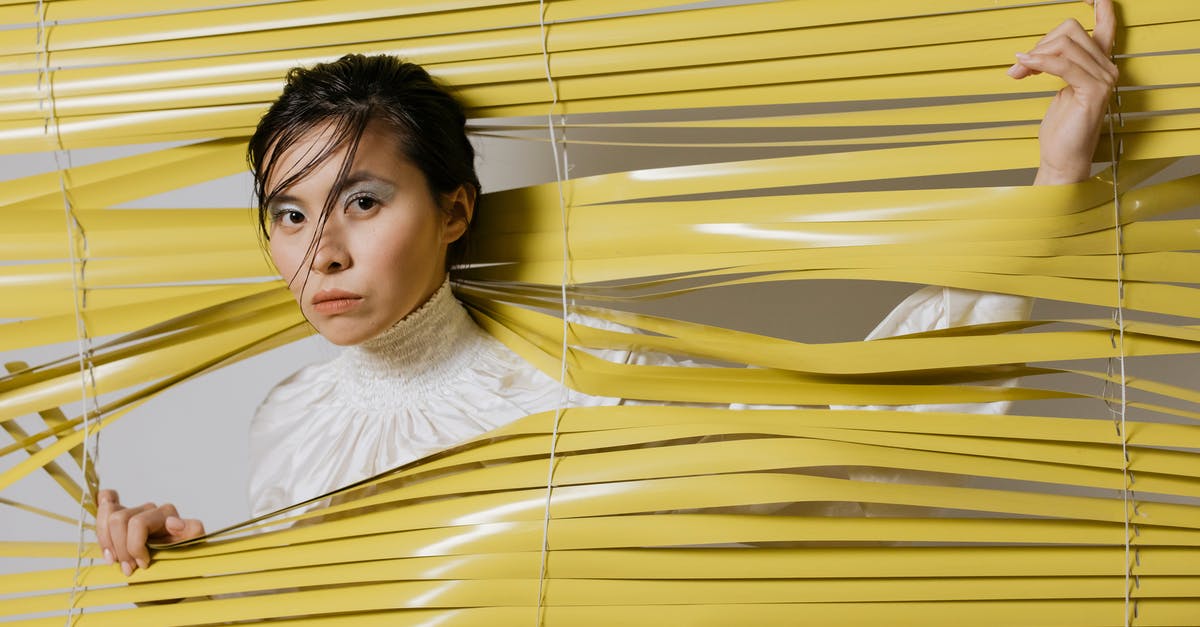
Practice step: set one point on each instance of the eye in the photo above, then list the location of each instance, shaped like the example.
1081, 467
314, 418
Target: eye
364, 203
288, 217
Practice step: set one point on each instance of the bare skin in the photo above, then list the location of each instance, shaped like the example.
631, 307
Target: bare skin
1071, 126
123, 532
1067, 138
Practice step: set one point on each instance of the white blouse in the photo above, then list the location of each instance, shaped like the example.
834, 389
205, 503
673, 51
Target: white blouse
436, 379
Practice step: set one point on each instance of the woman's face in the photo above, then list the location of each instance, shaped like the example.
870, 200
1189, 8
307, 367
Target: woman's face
380, 253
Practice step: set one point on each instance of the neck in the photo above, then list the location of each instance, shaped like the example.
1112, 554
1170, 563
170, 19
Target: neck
414, 356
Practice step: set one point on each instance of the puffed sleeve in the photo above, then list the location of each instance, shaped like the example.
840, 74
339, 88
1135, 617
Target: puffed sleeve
928, 309
932, 308
280, 437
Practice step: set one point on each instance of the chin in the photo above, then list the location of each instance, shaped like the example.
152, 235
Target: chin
338, 340
346, 339
344, 334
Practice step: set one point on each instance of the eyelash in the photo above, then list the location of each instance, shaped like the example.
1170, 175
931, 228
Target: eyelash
278, 214
358, 197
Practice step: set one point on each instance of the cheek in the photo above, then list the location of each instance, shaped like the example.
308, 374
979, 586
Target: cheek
283, 258
408, 245
393, 259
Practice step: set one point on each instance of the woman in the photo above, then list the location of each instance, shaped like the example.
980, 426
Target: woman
366, 189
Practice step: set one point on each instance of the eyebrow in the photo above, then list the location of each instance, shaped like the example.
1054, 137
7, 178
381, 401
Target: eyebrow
362, 176
354, 178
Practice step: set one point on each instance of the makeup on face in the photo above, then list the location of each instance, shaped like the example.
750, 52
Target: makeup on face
378, 254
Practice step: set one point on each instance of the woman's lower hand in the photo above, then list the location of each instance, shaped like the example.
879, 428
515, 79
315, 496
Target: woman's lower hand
1070, 129
123, 532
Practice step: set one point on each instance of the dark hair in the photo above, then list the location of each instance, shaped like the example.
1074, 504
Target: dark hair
349, 93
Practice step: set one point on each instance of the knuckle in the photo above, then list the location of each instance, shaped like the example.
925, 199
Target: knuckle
1051, 48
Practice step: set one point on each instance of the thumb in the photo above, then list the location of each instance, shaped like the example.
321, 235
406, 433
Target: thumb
184, 528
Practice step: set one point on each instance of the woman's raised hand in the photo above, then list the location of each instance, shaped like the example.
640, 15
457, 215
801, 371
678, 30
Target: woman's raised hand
123, 532
1071, 127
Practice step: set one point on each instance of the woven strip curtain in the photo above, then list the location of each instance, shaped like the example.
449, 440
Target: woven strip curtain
1080, 507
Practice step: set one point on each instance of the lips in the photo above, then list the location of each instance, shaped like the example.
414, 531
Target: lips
335, 301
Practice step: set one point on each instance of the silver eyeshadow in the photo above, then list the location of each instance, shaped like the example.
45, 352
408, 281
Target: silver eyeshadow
357, 184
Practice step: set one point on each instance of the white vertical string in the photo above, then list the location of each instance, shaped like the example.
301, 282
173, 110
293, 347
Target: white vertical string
1119, 414
76, 242
561, 171
1128, 498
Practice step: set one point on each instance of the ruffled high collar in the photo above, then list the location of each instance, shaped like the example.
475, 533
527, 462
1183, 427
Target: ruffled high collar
419, 355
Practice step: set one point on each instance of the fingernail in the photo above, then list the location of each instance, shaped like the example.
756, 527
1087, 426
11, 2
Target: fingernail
142, 563
1022, 56
1012, 71
108, 556
126, 568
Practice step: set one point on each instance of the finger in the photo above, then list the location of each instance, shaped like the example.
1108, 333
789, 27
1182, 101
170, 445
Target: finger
116, 536
1075, 54
1098, 53
1020, 71
169, 510
1079, 37
1086, 87
184, 528
118, 530
1099, 47
1080, 70
1106, 25
1062, 55
1071, 36
1057, 31
140, 528
107, 502
179, 528
192, 528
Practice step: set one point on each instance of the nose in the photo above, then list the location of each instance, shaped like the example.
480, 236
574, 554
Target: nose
332, 255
